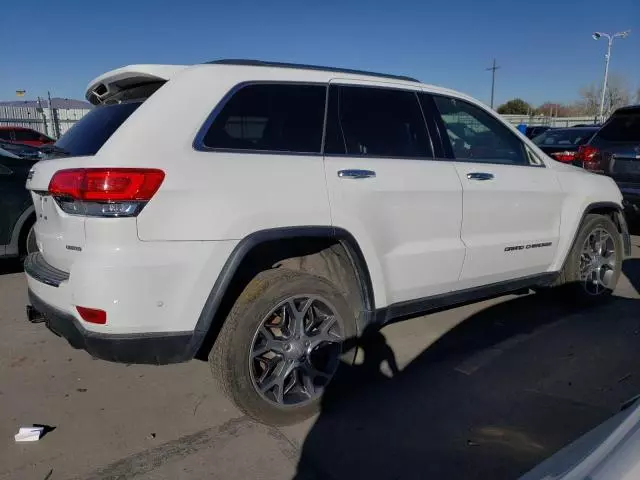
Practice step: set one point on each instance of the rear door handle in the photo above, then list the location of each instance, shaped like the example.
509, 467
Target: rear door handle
480, 176
355, 173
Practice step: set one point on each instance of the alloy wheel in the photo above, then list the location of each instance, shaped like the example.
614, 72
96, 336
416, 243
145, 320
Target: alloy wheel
296, 351
597, 262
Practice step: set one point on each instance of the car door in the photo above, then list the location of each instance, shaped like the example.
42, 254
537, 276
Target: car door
511, 201
386, 188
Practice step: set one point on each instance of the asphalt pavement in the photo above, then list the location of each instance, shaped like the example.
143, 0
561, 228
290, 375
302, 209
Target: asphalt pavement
481, 391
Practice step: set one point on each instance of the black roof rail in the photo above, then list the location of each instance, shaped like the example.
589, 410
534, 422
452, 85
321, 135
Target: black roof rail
300, 66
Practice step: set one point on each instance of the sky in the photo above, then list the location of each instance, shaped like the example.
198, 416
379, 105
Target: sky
544, 47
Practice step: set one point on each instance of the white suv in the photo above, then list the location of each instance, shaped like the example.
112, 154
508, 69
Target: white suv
262, 214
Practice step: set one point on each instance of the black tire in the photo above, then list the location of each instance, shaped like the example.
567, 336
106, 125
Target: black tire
231, 358
570, 276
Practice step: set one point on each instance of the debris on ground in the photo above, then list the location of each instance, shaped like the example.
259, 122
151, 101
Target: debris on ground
28, 434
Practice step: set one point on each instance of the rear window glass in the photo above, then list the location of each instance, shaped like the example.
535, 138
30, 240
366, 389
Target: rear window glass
26, 136
573, 136
271, 117
88, 135
621, 128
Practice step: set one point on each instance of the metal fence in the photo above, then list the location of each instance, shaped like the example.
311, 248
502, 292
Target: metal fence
53, 122
557, 122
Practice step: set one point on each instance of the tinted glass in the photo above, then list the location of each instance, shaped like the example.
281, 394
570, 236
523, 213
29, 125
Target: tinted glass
88, 135
621, 128
285, 118
476, 135
569, 137
5, 135
26, 136
378, 122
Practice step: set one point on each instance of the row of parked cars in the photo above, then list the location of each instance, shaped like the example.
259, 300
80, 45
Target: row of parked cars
612, 149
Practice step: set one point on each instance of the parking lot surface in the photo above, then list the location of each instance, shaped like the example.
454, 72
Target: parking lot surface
481, 391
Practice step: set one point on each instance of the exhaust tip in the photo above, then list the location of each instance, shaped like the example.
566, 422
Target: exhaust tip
33, 315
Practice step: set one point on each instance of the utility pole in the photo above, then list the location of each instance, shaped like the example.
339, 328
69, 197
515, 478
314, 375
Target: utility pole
493, 79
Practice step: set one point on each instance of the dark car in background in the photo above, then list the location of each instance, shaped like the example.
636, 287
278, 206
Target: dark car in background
22, 150
534, 131
26, 136
615, 151
562, 144
17, 214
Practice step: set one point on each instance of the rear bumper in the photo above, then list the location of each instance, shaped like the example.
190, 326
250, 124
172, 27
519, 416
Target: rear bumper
150, 348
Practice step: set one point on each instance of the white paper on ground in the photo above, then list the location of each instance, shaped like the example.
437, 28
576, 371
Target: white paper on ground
29, 434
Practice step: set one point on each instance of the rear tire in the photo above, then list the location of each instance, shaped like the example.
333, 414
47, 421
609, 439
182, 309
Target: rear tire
27, 242
281, 344
594, 264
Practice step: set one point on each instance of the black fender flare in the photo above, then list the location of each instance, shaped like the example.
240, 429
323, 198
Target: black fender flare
242, 249
619, 218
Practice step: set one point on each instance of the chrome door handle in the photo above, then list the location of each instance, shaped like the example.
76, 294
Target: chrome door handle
480, 176
355, 173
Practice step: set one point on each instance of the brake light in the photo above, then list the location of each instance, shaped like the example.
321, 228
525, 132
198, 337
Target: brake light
111, 192
590, 158
564, 156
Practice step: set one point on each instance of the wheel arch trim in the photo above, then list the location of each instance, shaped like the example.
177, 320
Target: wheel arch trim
13, 247
621, 223
247, 244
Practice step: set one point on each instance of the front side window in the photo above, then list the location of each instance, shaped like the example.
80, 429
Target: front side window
477, 136
376, 122
271, 117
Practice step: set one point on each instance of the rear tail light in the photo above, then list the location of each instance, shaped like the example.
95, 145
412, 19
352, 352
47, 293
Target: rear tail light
564, 156
590, 158
105, 192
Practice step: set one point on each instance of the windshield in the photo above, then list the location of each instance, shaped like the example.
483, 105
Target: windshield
622, 128
94, 129
569, 137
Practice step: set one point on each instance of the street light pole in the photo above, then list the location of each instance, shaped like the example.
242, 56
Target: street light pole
609, 37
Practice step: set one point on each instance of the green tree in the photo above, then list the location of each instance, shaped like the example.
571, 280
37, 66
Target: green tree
517, 106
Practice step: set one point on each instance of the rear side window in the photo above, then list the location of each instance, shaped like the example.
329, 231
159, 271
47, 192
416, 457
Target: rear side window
476, 136
377, 122
624, 127
88, 135
271, 117
5, 135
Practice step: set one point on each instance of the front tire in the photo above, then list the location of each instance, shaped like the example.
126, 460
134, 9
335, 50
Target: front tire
594, 264
281, 345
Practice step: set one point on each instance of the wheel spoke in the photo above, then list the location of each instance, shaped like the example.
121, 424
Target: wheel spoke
271, 344
325, 335
314, 373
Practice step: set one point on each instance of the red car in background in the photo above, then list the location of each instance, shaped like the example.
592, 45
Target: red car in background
26, 136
